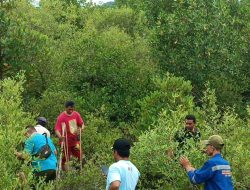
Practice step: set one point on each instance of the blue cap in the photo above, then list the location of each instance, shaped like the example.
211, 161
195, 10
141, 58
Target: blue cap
42, 119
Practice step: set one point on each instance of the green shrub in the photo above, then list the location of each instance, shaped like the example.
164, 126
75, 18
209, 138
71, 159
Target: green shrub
12, 122
160, 171
171, 93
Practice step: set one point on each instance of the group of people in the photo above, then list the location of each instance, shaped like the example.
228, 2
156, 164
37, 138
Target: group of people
123, 174
215, 173
42, 151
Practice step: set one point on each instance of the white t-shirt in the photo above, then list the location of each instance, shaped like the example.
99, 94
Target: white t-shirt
125, 172
40, 129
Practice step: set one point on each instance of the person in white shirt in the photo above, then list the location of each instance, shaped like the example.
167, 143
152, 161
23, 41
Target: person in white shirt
122, 175
41, 126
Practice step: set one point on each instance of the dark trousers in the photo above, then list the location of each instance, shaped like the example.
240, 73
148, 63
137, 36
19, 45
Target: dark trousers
48, 175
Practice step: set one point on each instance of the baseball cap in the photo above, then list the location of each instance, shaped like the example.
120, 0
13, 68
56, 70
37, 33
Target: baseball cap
214, 140
42, 119
121, 144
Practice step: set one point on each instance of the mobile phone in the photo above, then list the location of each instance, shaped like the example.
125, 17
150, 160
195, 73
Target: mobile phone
105, 169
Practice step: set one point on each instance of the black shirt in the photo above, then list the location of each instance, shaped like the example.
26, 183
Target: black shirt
183, 135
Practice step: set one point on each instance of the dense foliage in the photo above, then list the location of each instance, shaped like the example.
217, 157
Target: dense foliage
202, 41
134, 69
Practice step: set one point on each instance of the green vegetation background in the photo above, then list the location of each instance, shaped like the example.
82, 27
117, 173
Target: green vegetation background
134, 69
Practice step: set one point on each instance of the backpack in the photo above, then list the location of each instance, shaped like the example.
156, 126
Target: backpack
45, 151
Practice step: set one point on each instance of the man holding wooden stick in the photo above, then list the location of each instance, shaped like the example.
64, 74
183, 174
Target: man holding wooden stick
73, 123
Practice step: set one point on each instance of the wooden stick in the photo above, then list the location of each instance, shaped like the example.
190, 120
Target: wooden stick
80, 149
60, 158
66, 146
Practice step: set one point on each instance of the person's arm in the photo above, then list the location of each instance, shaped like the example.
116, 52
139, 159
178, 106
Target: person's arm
52, 146
186, 164
58, 129
80, 122
83, 126
113, 178
28, 150
197, 176
58, 134
201, 175
29, 146
22, 155
115, 185
19, 155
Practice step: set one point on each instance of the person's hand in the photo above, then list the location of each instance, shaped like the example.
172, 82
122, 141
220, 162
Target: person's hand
184, 161
186, 164
18, 154
81, 127
61, 138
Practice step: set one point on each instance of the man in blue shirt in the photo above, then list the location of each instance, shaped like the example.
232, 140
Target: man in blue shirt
122, 175
42, 167
216, 172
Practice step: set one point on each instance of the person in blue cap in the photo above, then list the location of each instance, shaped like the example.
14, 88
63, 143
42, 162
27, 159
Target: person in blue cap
123, 174
216, 172
41, 126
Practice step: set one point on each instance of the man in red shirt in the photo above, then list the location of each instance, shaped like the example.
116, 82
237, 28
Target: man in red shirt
71, 123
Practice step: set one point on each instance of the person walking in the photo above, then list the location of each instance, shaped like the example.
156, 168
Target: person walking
123, 174
72, 123
216, 172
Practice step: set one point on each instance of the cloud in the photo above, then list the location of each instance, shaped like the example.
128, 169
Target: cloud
100, 1
36, 2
